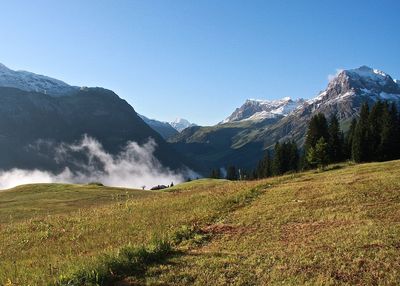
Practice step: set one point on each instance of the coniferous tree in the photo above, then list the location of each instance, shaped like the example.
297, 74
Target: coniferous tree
318, 155
231, 173
396, 117
388, 137
360, 145
375, 130
293, 162
302, 160
349, 139
278, 161
264, 167
286, 158
216, 173
317, 128
335, 143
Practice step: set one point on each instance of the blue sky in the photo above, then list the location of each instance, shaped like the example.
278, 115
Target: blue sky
199, 59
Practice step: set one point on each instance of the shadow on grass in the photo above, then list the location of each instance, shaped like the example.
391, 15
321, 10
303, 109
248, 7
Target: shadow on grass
128, 262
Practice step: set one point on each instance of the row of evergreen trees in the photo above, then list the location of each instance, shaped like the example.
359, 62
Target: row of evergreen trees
231, 174
375, 136
285, 159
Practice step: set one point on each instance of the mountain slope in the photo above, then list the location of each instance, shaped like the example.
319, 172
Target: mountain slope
29, 81
33, 123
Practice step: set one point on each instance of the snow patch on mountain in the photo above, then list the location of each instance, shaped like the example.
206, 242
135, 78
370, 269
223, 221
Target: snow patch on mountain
260, 109
369, 73
29, 81
362, 81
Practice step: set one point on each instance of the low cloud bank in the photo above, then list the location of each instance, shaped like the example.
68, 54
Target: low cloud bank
135, 166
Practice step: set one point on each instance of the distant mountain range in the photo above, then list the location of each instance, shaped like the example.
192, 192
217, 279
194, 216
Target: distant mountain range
256, 109
168, 129
36, 108
163, 128
258, 124
39, 110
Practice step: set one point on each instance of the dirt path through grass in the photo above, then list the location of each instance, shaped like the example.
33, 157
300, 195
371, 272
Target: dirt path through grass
340, 227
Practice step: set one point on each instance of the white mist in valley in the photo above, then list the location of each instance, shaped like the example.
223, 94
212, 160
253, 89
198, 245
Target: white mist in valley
135, 166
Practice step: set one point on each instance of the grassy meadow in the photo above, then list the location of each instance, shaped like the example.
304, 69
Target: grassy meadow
337, 227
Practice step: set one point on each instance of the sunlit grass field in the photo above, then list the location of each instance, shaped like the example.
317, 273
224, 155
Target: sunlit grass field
337, 227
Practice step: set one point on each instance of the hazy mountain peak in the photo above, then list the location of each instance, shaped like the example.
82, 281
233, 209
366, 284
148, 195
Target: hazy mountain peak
29, 81
180, 124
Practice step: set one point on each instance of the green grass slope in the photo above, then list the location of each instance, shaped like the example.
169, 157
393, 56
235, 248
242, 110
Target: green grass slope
30, 201
338, 227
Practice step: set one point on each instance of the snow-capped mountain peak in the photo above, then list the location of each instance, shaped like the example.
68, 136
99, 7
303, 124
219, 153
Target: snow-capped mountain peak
181, 124
260, 109
351, 85
362, 81
29, 81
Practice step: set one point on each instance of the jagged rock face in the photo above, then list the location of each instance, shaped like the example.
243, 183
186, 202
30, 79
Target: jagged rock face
365, 78
350, 88
249, 108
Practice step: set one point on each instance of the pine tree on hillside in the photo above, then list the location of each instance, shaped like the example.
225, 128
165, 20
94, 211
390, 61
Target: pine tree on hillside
317, 128
360, 145
231, 173
278, 161
396, 118
264, 167
375, 129
335, 143
294, 159
216, 173
318, 155
286, 158
349, 139
388, 137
